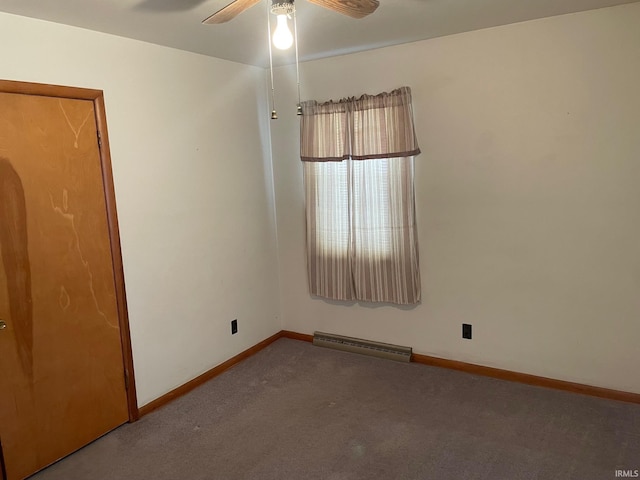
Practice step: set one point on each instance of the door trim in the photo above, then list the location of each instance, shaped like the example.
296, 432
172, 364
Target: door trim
97, 97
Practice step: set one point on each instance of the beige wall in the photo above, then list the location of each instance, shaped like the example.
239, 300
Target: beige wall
528, 194
190, 151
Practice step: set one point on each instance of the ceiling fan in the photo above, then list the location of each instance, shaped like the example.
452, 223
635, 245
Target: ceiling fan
351, 8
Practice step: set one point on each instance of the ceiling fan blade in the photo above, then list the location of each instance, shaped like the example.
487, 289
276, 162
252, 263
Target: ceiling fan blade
351, 8
230, 11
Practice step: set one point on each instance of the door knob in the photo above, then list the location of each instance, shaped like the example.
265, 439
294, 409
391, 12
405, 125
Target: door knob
3, 325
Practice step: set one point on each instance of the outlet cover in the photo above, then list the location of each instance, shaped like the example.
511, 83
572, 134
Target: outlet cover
466, 331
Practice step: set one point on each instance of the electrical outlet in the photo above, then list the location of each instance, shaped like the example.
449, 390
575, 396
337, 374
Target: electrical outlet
466, 331
234, 326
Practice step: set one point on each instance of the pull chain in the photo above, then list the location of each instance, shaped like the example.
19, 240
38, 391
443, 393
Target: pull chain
295, 32
274, 114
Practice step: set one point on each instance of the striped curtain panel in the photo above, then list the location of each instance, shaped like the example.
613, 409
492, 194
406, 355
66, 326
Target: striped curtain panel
362, 241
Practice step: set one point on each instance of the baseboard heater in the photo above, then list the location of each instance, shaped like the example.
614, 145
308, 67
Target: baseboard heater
366, 347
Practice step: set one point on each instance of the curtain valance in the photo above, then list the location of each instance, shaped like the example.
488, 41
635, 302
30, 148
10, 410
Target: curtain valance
372, 126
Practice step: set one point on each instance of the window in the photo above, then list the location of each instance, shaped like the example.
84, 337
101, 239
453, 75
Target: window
367, 202
358, 167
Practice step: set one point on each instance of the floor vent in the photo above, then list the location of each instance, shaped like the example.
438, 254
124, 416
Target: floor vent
366, 347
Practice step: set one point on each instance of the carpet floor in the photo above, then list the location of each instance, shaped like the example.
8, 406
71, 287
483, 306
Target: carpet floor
299, 412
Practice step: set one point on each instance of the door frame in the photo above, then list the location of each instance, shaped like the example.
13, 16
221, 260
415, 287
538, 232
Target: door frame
97, 97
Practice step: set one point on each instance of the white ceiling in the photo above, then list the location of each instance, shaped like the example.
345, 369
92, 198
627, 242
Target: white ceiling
322, 33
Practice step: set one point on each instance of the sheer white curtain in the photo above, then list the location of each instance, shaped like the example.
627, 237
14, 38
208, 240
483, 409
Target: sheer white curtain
362, 241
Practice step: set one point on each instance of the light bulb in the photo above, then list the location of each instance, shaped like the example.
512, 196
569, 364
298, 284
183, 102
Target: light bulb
282, 38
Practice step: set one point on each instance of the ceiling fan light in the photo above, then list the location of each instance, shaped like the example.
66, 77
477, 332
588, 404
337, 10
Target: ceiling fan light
282, 37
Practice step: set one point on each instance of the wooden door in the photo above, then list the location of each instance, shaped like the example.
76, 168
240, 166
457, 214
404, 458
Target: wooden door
64, 351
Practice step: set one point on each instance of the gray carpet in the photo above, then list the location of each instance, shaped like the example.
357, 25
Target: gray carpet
295, 411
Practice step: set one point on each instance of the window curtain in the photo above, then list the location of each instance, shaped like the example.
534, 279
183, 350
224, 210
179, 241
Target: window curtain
362, 241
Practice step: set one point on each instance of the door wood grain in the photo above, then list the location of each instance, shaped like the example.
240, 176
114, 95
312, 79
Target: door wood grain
67, 375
